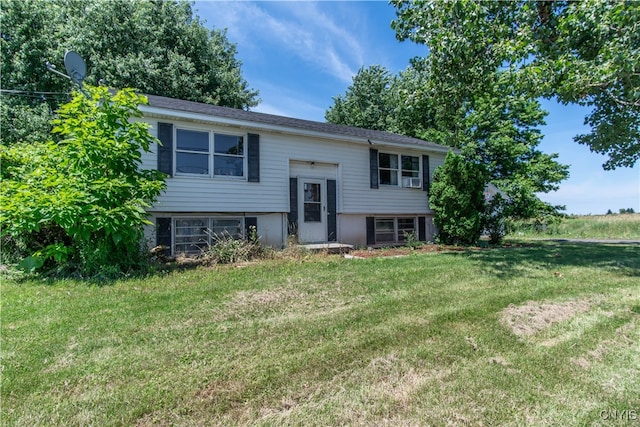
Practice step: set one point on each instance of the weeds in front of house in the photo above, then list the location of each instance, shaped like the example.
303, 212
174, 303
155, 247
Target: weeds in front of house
411, 240
537, 335
228, 249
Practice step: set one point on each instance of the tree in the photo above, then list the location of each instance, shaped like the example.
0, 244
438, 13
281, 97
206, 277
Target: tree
79, 204
457, 200
156, 47
500, 129
585, 53
366, 102
496, 126
381, 101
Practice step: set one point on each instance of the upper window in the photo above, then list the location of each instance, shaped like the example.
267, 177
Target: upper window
229, 155
392, 167
410, 166
201, 153
388, 169
192, 152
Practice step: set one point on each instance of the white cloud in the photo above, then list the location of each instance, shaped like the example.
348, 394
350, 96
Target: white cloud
298, 28
287, 102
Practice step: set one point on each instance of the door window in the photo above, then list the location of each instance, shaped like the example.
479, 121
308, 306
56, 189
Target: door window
312, 202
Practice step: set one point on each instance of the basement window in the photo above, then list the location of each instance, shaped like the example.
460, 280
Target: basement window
392, 230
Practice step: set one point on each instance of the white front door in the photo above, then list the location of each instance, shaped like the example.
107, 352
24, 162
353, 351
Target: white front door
312, 208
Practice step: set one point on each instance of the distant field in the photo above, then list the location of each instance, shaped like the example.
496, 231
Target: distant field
619, 226
544, 334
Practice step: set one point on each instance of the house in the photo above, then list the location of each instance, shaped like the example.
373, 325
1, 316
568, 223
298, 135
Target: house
231, 170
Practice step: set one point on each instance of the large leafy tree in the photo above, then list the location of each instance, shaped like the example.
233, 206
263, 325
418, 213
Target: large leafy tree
156, 47
586, 52
497, 127
366, 102
379, 100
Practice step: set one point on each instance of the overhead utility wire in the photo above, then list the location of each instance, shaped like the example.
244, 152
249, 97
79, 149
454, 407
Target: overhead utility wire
17, 91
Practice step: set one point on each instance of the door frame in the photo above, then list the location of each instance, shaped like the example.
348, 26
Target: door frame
312, 231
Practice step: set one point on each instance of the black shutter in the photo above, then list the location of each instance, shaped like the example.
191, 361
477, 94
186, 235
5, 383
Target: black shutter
249, 222
293, 206
373, 167
422, 229
425, 173
163, 234
332, 218
253, 157
165, 151
371, 230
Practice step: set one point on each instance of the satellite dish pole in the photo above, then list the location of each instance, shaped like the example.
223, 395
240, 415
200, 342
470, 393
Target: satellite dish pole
76, 70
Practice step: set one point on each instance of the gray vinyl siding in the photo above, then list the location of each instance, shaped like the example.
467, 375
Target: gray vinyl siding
271, 194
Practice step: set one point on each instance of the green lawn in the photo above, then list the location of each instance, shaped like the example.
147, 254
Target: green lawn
541, 335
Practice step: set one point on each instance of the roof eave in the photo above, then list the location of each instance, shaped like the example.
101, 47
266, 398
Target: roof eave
171, 113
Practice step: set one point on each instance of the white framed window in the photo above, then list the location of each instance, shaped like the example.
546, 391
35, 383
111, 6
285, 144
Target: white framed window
410, 166
385, 230
209, 153
403, 226
388, 167
399, 170
228, 159
192, 152
192, 235
392, 230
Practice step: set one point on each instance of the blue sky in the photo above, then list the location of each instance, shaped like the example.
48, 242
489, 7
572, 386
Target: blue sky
300, 54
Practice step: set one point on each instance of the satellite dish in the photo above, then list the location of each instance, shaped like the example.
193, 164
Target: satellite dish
76, 68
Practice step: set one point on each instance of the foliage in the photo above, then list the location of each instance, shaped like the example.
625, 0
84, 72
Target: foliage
365, 103
499, 128
495, 126
622, 211
227, 249
577, 52
79, 204
381, 101
156, 47
457, 200
411, 240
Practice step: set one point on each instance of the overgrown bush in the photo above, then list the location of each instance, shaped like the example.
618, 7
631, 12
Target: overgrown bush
457, 199
227, 249
78, 206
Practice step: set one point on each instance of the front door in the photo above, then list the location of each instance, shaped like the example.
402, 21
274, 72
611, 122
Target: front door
312, 206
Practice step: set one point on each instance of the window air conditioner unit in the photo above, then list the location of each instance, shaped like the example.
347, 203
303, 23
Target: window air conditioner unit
411, 182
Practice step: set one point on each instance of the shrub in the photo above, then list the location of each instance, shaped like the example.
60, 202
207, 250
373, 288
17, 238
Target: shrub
78, 206
457, 199
227, 249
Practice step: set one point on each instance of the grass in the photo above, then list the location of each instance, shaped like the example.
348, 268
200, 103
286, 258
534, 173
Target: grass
618, 226
540, 335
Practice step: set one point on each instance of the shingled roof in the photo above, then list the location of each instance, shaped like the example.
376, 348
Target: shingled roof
287, 122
